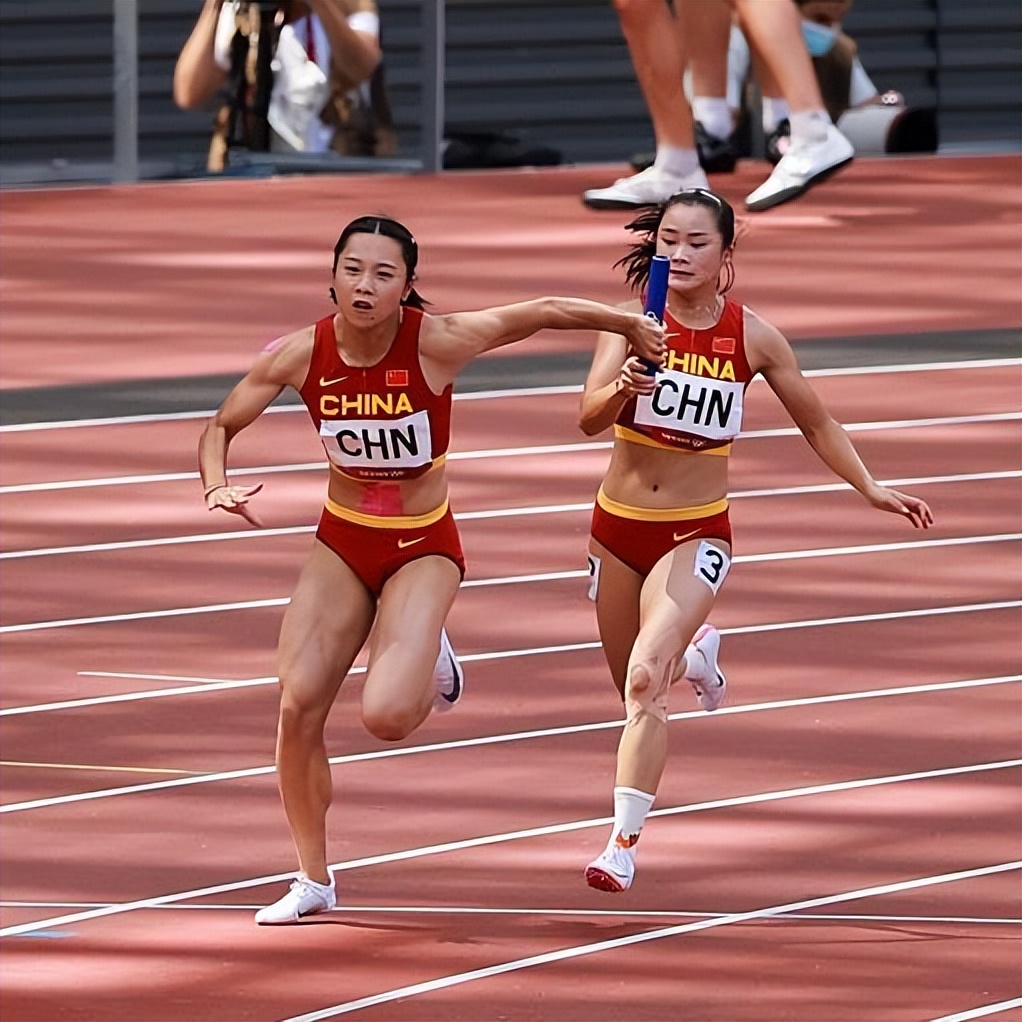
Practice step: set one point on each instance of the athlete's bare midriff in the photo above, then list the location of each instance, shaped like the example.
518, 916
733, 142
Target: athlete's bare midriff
652, 477
390, 498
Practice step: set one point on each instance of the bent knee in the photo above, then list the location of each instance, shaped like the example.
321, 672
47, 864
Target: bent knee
388, 725
646, 692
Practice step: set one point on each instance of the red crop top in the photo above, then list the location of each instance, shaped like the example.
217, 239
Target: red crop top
381, 421
697, 404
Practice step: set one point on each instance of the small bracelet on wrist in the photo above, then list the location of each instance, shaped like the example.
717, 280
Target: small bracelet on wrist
211, 489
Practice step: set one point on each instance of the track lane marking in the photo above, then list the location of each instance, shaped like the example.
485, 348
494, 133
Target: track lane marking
502, 838
564, 954
548, 576
488, 395
515, 736
987, 1009
540, 450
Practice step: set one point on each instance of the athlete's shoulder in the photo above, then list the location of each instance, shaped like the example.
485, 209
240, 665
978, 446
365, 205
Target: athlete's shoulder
287, 357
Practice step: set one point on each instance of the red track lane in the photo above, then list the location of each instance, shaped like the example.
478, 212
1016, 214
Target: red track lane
160, 268
194, 965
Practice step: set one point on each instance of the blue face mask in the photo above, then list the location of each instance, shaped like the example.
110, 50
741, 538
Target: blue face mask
819, 39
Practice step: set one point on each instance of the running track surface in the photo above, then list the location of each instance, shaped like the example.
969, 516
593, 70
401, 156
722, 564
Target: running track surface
862, 783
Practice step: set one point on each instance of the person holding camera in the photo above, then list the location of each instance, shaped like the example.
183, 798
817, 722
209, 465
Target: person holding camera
300, 76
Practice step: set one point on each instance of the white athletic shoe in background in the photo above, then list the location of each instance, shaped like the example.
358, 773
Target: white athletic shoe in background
647, 188
613, 871
703, 674
803, 165
305, 898
448, 676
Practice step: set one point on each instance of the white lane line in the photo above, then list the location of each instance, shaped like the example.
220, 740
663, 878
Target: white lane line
485, 514
541, 450
564, 954
548, 576
131, 676
474, 910
502, 838
987, 1009
571, 647
489, 513
500, 739
487, 395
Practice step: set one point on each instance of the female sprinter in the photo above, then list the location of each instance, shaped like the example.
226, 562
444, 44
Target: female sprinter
661, 541
377, 378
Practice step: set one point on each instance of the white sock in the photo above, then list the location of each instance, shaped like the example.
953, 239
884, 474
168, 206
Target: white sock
774, 111
630, 809
713, 113
695, 663
676, 161
809, 126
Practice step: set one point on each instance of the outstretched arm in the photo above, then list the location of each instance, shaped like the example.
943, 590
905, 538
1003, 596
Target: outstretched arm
771, 354
276, 367
454, 340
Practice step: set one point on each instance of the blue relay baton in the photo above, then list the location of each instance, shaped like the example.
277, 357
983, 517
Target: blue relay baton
656, 296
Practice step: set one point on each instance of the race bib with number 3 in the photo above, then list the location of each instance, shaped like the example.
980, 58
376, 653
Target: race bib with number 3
711, 565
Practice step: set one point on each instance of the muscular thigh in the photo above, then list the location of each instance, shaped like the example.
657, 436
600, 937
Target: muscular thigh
412, 609
324, 627
679, 593
616, 591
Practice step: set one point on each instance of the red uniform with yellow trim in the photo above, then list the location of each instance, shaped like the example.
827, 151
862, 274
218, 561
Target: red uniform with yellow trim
696, 409
381, 424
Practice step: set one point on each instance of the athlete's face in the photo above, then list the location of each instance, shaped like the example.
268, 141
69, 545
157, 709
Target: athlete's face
689, 236
371, 279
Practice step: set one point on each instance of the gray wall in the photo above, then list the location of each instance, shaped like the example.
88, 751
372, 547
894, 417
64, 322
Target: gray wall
550, 71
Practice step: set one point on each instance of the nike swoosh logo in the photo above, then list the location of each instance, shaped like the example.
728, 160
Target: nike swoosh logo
688, 535
330, 383
402, 543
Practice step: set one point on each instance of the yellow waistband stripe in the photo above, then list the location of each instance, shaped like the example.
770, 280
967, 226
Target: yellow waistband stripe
632, 437
392, 522
660, 514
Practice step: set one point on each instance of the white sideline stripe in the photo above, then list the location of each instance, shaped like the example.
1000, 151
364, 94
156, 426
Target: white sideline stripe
494, 839
485, 395
488, 513
987, 1009
495, 452
467, 743
578, 951
548, 576
474, 910
507, 654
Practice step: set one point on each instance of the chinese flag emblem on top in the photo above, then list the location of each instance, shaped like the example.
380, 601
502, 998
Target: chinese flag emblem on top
397, 377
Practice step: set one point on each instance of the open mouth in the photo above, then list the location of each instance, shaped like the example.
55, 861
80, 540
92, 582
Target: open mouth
361, 303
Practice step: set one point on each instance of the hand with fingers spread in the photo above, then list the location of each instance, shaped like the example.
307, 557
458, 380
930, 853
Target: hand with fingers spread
235, 500
915, 510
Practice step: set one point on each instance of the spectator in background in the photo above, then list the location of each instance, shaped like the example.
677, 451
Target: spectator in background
817, 148
876, 122
301, 76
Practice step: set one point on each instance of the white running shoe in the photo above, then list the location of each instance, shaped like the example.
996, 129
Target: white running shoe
448, 676
647, 188
803, 165
613, 871
305, 898
703, 674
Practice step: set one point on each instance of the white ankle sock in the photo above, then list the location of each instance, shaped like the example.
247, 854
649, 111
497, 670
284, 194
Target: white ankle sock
774, 111
676, 161
695, 662
713, 113
809, 126
630, 809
